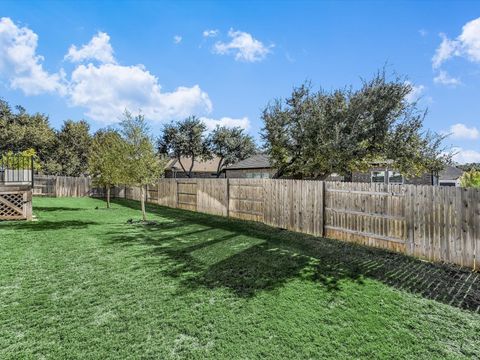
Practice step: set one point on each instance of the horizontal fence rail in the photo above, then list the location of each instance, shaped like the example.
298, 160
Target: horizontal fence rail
440, 224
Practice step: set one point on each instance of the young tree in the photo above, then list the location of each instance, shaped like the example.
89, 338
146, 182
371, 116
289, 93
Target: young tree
317, 134
230, 145
73, 145
107, 159
185, 139
142, 165
470, 179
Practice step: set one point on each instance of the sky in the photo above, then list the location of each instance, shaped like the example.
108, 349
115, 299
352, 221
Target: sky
224, 61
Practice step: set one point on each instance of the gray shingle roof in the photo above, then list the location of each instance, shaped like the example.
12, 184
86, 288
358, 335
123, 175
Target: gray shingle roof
450, 173
258, 161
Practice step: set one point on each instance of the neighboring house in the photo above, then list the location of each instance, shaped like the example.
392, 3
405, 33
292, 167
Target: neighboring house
450, 176
259, 167
255, 167
201, 168
384, 173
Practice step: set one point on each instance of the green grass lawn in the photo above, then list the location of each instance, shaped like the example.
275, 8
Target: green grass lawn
83, 283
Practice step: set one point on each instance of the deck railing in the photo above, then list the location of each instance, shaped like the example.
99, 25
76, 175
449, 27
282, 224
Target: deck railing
16, 170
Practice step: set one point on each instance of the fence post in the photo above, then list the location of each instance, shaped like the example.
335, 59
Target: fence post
409, 214
322, 209
228, 197
176, 190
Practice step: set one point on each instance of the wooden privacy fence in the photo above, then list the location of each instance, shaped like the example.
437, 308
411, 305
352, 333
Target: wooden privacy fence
63, 186
428, 222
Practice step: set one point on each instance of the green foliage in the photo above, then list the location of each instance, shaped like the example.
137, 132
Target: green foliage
185, 139
107, 158
73, 145
63, 152
20, 131
21, 160
315, 134
142, 166
469, 167
230, 145
471, 179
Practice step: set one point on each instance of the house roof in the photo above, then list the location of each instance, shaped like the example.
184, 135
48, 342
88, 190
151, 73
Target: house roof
198, 166
450, 173
259, 161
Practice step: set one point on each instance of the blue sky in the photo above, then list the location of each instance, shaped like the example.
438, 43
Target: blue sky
225, 60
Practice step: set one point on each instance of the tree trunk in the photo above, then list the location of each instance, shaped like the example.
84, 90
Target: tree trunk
142, 201
108, 197
219, 167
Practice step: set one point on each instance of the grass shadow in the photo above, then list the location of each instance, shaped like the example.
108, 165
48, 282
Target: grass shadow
283, 255
55, 208
43, 225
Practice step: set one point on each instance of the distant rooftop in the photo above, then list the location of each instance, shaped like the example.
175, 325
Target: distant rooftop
198, 166
450, 173
258, 161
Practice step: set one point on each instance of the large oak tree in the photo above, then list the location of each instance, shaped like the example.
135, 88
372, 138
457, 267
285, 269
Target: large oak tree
315, 134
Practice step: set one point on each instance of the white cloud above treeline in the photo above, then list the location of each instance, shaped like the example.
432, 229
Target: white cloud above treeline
98, 83
243, 46
99, 48
243, 123
444, 78
466, 45
462, 131
463, 156
210, 33
20, 64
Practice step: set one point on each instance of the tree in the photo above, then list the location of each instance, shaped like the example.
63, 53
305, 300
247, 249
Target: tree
107, 159
142, 166
73, 145
315, 134
185, 139
230, 145
20, 131
469, 166
471, 179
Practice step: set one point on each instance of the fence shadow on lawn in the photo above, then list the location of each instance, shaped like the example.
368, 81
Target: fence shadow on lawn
283, 255
43, 225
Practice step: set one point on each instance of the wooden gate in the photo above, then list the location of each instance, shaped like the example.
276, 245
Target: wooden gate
187, 194
371, 214
15, 203
246, 199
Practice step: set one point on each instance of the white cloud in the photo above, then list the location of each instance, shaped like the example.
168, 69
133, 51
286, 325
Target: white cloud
105, 89
463, 156
470, 39
177, 39
244, 46
445, 51
99, 48
423, 32
108, 89
467, 45
210, 33
19, 63
244, 123
445, 79
417, 91
461, 131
